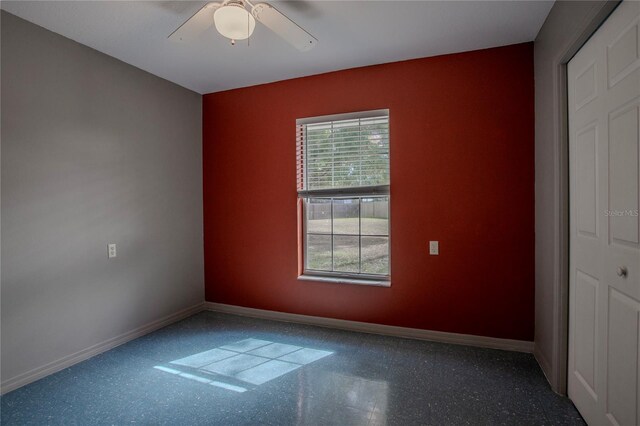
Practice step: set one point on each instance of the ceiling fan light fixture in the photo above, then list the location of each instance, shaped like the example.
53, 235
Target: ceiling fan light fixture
234, 21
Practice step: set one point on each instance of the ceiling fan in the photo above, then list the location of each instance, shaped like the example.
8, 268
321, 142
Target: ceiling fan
232, 19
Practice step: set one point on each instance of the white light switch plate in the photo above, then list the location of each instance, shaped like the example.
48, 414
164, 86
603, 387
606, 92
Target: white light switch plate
112, 250
434, 250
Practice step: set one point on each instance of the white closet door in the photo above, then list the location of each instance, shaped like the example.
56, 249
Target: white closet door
604, 286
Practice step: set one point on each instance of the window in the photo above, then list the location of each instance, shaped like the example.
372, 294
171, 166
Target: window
343, 181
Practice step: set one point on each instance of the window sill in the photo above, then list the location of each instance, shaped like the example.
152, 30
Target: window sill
344, 280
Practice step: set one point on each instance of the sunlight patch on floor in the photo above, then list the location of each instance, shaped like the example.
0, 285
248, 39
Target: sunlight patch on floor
249, 361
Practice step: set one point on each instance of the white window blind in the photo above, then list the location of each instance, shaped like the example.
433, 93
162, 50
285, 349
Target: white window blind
343, 153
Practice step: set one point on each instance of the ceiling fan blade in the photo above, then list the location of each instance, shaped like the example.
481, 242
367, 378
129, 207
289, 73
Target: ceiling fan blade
194, 26
283, 26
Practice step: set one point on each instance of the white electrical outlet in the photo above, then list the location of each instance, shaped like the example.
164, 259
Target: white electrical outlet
434, 250
112, 250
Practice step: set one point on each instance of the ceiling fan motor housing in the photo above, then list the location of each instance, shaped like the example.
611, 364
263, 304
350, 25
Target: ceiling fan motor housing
234, 21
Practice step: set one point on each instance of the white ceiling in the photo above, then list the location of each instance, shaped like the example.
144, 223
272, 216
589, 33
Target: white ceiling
350, 34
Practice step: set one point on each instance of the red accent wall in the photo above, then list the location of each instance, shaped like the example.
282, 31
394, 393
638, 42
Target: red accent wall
462, 173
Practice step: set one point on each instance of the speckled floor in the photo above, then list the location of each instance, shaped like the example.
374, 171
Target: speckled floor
229, 370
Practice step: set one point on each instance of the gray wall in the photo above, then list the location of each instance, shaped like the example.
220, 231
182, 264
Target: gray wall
94, 151
567, 27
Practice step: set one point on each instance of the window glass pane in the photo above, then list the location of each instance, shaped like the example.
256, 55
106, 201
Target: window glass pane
375, 255
319, 252
346, 253
344, 153
375, 216
319, 215
346, 218
319, 157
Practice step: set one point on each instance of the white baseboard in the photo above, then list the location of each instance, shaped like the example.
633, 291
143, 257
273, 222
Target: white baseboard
388, 330
364, 327
69, 360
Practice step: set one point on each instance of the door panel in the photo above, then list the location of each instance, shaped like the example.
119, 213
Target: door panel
604, 285
622, 368
586, 180
623, 54
623, 175
586, 303
586, 86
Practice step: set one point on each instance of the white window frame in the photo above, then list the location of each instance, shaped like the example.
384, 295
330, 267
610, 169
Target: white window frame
346, 193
